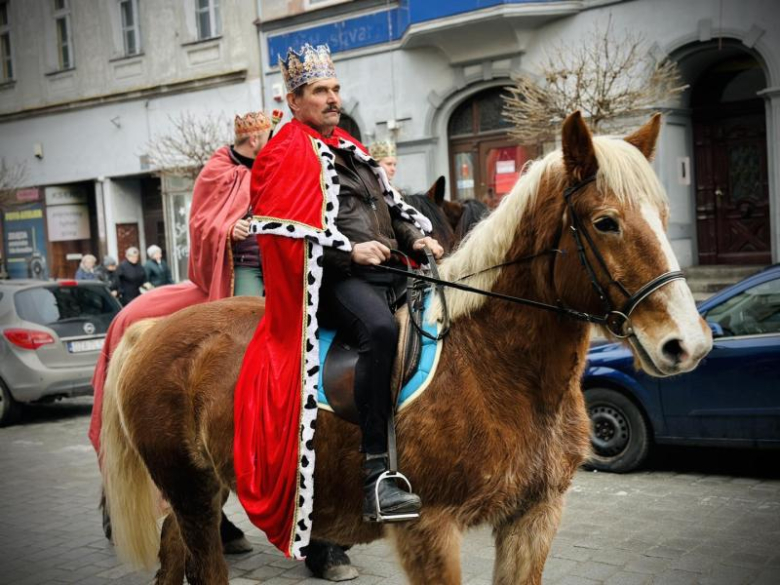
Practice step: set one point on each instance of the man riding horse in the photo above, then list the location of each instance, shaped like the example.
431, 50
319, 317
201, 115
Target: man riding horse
336, 241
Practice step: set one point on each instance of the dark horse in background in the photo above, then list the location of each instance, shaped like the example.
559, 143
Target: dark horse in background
451, 220
500, 431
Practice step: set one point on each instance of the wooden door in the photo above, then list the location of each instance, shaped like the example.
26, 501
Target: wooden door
127, 236
732, 190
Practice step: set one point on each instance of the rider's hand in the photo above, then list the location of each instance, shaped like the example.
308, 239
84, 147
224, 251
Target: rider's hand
434, 246
370, 253
240, 230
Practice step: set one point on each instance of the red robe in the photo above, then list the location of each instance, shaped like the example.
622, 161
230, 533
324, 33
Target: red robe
295, 199
220, 198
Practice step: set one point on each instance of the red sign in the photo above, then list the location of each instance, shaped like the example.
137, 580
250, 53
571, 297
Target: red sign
28, 195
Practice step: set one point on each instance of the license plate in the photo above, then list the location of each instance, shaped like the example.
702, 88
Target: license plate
85, 345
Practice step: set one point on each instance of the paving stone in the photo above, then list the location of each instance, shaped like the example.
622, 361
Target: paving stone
625, 578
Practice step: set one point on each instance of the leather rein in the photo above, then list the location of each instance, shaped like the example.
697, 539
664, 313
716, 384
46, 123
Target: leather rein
616, 319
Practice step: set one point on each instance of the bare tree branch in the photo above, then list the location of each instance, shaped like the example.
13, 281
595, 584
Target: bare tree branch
189, 145
607, 77
12, 177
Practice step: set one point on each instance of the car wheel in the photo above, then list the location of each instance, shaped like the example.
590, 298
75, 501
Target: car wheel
619, 434
9, 408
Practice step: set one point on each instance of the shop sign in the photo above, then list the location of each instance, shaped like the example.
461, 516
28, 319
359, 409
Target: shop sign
65, 195
68, 222
25, 242
25, 195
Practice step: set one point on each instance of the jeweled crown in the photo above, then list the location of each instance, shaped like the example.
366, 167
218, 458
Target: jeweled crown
310, 64
250, 123
382, 149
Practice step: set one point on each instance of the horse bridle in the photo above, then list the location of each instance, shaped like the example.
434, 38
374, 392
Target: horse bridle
616, 320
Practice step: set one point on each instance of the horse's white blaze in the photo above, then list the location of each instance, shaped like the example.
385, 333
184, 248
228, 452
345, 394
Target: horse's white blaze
684, 321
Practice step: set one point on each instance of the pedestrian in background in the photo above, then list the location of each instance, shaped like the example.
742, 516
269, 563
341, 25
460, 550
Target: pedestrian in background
157, 272
107, 273
131, 276
86, 270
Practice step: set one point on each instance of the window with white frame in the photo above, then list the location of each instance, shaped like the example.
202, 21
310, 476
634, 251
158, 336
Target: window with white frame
312, 4
208, 18
62, 27
131, 29
6, 62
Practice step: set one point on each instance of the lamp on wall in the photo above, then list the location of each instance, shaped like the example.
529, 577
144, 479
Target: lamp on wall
38, 150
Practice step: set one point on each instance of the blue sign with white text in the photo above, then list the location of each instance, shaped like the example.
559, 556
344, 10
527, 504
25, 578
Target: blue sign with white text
25, 242
376, 28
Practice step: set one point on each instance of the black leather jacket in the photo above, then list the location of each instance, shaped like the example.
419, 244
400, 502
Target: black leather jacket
364, 214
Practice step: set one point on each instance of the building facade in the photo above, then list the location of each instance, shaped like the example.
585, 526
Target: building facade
431, 74
86, 87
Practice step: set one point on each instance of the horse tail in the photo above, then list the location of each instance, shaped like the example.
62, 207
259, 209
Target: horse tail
131, 496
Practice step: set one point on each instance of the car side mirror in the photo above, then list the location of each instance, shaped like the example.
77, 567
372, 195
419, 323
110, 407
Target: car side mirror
717, 330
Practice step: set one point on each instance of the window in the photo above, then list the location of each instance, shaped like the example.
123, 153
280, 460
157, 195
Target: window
313, 4
67, 308
131, 32
755, 311
62, 27
6, 63
208, 18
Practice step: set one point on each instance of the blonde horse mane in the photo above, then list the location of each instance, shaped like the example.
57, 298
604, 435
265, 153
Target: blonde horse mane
623, 171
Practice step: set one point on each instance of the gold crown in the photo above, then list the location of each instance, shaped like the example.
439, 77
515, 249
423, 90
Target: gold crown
311, 64
382, 149
250, 123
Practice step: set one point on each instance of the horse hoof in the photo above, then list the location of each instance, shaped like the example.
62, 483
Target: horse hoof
341, 573
237, 547
327, 560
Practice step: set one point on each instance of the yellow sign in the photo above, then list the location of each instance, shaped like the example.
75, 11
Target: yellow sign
26, 214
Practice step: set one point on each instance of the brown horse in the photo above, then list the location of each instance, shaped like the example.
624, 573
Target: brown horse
499, 433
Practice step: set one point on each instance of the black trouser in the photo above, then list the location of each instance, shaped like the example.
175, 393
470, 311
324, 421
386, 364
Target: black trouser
362, 309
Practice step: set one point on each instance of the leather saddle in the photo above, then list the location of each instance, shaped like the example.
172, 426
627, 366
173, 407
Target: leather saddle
338, 375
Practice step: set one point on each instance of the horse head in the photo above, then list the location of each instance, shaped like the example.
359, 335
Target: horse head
584, 229
615, 256
430, 205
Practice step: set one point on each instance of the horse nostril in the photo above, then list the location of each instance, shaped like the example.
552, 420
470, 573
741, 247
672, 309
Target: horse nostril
674, 350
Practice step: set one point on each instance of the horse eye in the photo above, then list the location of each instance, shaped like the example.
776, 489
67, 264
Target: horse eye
607, 224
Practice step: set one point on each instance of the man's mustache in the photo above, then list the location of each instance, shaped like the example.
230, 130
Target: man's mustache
331, 109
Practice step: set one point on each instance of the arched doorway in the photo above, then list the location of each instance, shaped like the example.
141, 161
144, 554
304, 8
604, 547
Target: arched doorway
348, 124
484, 162
730, 146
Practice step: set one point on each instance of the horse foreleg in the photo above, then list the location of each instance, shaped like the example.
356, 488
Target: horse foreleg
429, 549
523, 542
172, 554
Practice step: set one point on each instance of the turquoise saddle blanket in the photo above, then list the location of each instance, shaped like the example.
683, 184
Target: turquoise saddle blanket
419, 381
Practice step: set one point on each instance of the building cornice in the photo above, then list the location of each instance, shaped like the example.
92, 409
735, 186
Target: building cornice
145, 92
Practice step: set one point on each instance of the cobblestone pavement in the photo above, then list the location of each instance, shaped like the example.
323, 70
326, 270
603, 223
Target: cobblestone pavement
696, 516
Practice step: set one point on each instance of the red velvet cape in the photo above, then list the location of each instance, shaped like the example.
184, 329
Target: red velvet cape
295, 197
220, 198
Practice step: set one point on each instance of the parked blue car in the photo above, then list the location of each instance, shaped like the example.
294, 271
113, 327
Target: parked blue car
732, 398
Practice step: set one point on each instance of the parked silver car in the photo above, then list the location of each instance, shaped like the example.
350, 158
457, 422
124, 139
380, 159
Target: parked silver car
51, 334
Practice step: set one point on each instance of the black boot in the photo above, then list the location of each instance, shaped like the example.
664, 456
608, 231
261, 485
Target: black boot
233, 540
392, 504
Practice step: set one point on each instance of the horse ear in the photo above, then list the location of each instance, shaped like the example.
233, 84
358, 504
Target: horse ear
436, 192
646, 137
579, 157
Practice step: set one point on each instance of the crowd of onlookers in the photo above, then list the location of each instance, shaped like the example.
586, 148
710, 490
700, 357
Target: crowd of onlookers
129, 278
